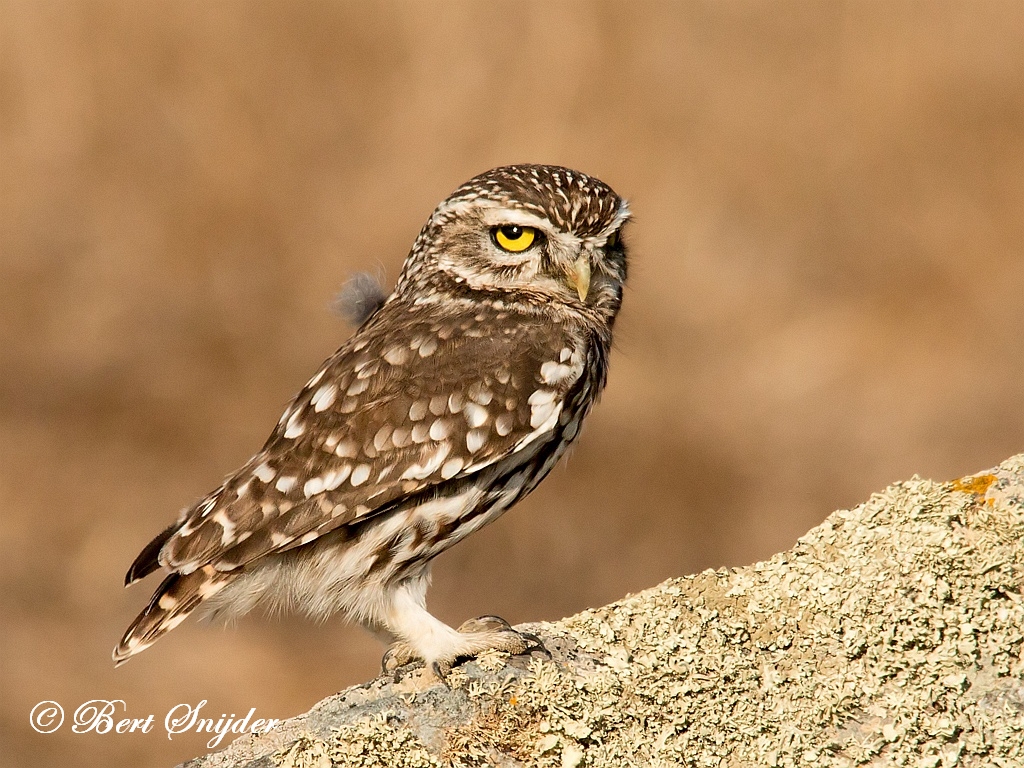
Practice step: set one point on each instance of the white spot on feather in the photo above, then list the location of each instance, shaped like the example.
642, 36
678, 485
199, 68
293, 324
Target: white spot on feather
264, 472
228, 534
430, 466
418, 410
428, 347
554, 373
360, 474
397, 356
478, 393
475, 440
324, 397
420, 432
543, 419
346, 450
336, 477
439, 429
541, 397
476, 415
382, 437
451, 467
358, 387
174, 621
401, 437
543, 413
366, 369
504, 423
542, 406
285, 484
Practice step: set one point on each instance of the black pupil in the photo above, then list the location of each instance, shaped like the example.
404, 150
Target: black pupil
512, 232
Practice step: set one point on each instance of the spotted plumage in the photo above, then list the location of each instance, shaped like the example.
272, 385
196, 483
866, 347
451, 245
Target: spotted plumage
451, 401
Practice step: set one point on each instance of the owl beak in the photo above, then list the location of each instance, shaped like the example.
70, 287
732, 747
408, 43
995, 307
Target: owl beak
579, 276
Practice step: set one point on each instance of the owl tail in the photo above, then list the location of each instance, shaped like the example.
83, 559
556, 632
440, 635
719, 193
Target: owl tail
176, 597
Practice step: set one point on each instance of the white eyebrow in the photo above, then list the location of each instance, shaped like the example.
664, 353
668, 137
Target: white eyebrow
495, 217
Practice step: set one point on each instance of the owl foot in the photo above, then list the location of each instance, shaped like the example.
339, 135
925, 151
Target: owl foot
511, 641
475, 636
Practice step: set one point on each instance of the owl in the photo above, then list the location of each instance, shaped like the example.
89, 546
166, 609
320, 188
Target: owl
451, 401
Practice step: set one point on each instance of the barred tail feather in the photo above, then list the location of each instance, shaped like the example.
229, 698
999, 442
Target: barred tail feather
176, 597
148, 559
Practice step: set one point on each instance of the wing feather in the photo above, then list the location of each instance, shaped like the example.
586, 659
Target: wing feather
387, 417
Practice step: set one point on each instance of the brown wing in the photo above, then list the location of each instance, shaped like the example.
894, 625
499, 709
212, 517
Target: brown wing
413, 401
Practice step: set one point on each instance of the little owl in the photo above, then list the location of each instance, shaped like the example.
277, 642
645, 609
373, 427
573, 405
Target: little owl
448, 405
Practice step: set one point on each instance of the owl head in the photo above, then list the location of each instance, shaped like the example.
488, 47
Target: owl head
532, 235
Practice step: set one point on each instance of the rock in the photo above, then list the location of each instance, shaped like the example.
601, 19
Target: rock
890, 634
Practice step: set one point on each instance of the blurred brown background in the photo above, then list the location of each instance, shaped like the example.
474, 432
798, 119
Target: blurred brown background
826, 291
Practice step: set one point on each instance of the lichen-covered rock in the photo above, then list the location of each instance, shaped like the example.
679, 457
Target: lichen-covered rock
890, 634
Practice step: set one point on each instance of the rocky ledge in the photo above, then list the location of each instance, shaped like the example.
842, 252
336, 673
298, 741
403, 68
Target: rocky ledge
890, 634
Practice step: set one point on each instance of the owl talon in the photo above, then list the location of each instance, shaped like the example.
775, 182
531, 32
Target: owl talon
396, 657
536, 643
441, 670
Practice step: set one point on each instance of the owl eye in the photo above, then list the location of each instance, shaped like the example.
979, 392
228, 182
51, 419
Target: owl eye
513, 238
612, 241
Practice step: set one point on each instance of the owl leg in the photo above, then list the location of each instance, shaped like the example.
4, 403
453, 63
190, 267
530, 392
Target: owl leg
421, 636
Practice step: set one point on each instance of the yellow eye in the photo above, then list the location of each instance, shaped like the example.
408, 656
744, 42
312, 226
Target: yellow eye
612, 241
513, 238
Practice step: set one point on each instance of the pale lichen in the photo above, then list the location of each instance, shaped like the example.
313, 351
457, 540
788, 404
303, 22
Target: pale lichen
890, 634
